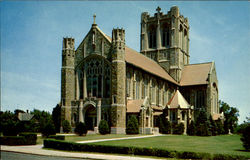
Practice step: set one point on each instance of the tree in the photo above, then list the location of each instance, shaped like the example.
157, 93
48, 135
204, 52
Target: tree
178, 129
7, 120
48, 129
191, 129
220, 128
246, 138
66, 126
56, 116
81, 129
213, 126
164, 125
132, 125
103, 127
42, 117
231, 117
202, 124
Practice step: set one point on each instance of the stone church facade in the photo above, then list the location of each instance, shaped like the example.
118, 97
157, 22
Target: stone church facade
105, 79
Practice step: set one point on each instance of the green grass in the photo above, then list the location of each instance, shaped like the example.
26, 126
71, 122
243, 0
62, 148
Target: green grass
88, 137
225, 144
95, 136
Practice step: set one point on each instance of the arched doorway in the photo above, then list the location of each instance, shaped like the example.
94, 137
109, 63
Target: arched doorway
90, 117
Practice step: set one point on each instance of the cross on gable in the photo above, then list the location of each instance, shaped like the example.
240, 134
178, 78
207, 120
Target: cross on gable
94, 16
158, 9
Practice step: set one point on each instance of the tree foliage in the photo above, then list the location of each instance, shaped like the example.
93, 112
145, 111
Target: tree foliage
66, 126
56, 116
103, 127
191, 129
202, 124
164, 125
231, 117
178, 128
246, 137
48, 129
132, 125
81, 129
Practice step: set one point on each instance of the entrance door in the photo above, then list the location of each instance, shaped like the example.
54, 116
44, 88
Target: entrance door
90, 117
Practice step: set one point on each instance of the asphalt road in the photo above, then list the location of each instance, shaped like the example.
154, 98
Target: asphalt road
21, 156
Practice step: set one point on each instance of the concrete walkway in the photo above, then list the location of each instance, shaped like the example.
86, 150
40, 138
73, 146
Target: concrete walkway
38, 150
114, 139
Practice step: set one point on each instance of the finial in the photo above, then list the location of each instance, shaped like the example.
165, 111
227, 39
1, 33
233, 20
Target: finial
94, 16
158, 9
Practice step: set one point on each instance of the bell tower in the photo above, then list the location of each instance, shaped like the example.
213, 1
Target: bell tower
118, 106
67, 78
165, 39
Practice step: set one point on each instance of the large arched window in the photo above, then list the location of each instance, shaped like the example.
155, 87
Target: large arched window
128, 84
97, 78
166, 35
153, 90
145, 88
137, 95
152, 36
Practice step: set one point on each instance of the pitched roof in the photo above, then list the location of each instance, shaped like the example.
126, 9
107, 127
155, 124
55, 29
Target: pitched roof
195, 74
143, 62
147, 64
134, 106
25, 116
178, 101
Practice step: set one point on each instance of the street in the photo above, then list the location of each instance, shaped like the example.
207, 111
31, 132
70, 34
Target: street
22, 156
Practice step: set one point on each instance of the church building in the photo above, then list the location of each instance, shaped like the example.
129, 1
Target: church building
103, 79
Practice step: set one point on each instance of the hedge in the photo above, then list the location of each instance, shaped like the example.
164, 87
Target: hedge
22, 139
58, 137
159, 152
12, 140
30, 138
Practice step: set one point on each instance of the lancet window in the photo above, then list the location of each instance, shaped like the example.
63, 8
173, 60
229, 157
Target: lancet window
97, 78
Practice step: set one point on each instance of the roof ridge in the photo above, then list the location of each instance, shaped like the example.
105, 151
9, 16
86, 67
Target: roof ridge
198, 63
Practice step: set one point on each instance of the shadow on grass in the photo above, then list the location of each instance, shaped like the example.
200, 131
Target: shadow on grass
241, 150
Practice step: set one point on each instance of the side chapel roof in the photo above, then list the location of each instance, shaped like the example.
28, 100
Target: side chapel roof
178, 101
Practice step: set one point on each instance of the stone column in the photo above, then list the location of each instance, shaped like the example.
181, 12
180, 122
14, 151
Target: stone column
84, 84
77, 86
158, 35
98, 112
81, 119
145, 37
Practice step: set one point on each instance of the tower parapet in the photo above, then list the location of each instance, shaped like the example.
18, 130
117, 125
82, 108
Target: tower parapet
165, 39
118, 106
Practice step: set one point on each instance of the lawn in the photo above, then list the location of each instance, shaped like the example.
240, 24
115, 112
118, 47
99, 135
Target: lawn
225, 144
76, 138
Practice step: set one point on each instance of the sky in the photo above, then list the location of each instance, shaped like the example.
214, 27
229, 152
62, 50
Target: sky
32, 34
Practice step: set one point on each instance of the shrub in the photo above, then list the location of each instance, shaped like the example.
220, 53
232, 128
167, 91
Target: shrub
164, 125
220, 128
191, 129
246, 138
132, 126
12, 140
30, 138
49, 129
178, 129
57, 137
81, 129
66, 126
103, 127
213, 126
10, 128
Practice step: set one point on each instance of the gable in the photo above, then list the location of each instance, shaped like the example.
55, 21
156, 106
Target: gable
195, 74
95, 42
